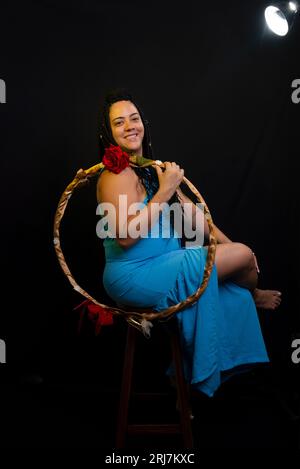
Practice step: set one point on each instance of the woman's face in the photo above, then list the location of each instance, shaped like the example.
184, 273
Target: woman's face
127, 126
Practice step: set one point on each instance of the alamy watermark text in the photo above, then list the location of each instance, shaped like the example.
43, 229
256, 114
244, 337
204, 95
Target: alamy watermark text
188, 221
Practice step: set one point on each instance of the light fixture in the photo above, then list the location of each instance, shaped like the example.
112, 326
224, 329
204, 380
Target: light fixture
280, 16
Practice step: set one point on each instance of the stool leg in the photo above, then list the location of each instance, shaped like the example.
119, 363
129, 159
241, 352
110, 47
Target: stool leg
184, 410
122, 422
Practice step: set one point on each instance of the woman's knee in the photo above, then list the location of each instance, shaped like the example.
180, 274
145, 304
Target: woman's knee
245, 255
232, 259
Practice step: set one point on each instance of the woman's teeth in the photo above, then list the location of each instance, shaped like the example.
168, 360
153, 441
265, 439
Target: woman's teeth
131, 137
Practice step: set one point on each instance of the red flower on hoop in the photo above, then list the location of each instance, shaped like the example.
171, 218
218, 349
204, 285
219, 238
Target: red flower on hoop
97, 314
115, 159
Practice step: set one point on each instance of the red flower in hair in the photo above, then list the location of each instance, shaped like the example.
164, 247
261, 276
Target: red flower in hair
115, 159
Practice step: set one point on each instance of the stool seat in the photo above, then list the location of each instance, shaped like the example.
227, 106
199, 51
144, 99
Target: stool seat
183, 427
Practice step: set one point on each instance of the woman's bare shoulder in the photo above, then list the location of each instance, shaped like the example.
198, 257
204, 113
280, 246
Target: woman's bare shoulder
109, 178
109, 182
125, 173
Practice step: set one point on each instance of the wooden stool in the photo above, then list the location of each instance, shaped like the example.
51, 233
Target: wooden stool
183, 427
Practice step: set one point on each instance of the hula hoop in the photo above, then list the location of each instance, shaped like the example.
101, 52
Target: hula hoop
135, 318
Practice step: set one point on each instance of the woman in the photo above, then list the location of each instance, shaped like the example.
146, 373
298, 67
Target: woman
221, 330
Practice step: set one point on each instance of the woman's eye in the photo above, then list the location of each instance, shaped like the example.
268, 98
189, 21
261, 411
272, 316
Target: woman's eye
135, 119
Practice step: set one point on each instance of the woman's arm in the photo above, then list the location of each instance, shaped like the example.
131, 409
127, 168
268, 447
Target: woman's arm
196, 212
124, 184
221, 237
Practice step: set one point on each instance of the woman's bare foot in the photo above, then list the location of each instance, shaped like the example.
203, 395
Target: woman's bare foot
267, 299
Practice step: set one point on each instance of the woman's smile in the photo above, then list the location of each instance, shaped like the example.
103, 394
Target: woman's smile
132, 137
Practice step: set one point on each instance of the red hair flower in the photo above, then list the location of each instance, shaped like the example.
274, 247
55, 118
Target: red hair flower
115, 159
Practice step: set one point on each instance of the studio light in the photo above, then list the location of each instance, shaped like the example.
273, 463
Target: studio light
280, 16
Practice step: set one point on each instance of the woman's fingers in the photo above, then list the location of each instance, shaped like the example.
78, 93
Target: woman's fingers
158, 169
174, 165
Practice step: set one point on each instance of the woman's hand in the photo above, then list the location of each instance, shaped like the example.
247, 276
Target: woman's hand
170, 179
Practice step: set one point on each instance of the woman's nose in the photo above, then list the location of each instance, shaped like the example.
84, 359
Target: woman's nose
129, 126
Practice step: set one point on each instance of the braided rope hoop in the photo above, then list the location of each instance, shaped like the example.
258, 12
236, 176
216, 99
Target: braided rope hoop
148, 314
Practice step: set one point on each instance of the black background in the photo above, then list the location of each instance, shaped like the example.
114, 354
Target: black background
215, 85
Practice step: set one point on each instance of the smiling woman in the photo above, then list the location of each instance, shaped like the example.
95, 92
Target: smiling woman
220, 331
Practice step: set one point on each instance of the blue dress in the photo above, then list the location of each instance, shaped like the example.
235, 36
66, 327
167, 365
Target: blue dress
219, 333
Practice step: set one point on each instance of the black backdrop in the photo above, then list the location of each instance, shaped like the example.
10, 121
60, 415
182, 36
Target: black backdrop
215, 85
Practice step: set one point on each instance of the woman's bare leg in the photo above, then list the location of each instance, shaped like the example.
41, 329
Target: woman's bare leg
235, 261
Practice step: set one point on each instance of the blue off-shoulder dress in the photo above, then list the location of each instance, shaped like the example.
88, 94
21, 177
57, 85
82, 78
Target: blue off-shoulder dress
220, 333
